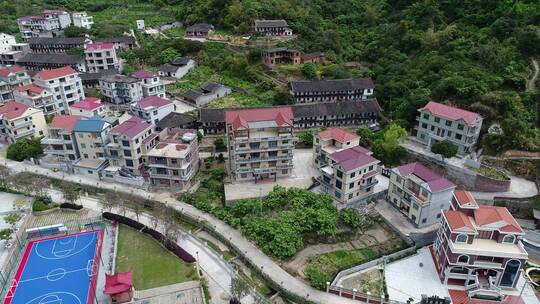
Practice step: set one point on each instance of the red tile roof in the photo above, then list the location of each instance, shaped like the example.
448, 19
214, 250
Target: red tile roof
450, 113
241, 118
131, 127
12, 110
33, 88
153, 101
55, 73
66, 122
353, 158
142, 74
337, 134
89, 103
488, 215
13, 69
458, 220
462, 297
99, 46
465, 198
434, 180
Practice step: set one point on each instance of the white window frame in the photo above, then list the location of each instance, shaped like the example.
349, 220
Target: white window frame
507, 236
466, 238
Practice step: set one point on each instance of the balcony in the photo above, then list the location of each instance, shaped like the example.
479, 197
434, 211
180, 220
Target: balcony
245, 139
52, 141
265, 148
24, 133
260, 159
374, 182
486, 264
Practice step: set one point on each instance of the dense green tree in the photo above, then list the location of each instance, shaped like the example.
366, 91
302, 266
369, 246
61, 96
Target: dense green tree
366, 136
306, 138
220, 144
75, 31
387, 148
445, 148
309, 71
24, 149
350, 217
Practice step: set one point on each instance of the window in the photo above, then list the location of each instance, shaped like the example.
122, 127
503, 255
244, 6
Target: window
426, 116
463, 259
424, 221
353, 174
460, 126
425, 193
448, 123
351, 196
339, 174
337, 194
424, 125
284, 171
338, 184
508, 239
351, 185
439, 216
437, 119
458, 136
462, 238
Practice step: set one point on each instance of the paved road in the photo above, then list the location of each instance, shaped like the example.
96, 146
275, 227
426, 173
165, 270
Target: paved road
252, 253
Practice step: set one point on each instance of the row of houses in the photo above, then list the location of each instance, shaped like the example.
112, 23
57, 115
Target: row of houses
278, 28
51, 23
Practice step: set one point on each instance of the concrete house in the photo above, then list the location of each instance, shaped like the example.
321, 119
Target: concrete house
121, 89
6, 41
199, 30
50, 23
66, 86
151, 84
101, 56
38, 62
276, 56
10, 79
58, 45
208, 92
81, 19
18, 121
91, 136
60, 143
177, 69
36, 97
152, 109
88, 107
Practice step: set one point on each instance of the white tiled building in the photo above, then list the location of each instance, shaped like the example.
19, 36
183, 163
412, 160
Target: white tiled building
19, 121
66, 86
152, 109
6, 41
36, 97
81, 19
121, 89
48, 24
10, 79
151, 84
101, 56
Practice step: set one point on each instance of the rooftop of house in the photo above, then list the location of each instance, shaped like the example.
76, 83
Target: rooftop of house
168, 68
57, 40
353, 158
434, 181
119, 78
65, 122
55, 73
280, 49
450, 113
200, 27
465, 199
180, 61
484, 218
331, 85
98, 46
120, 39
132, 127
30, 89
259, 118
89, 103
271, 23
174, 119
151, 102
142, 74
94, 124
337, 134
5, 72
50, 58
13, 110
207, 88
98, 75
169, 149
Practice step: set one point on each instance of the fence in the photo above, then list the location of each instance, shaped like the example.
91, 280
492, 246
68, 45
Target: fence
353, 294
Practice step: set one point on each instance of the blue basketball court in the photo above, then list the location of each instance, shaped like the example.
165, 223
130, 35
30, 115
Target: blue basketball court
60, 270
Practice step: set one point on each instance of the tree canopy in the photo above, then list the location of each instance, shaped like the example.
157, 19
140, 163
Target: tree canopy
24, 149
445, 148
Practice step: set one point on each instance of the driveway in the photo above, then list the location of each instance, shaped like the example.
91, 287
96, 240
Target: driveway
182, 107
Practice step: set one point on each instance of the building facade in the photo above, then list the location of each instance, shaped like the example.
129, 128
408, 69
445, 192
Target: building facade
199, 30
20, 121
174, 161
101, 56
60, 142
92, 137
48, 24
331, 90
329, 141
121, 89
10, 79
152, 109
58, 45
275, 56
122, 42
419, 193
6, 41
88, 107
478, 249
66, 86
36, 97
260, 143
38, 62
438, 122
81, 19
273, 28
11, 56
151, 84
177, 69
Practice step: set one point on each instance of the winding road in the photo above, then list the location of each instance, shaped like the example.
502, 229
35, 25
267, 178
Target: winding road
531, 83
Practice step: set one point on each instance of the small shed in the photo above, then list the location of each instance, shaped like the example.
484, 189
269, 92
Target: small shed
119, 286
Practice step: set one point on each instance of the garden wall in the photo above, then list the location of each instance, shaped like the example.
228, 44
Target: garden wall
486, 184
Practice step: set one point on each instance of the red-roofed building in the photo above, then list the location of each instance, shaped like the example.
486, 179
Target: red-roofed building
10, 79
21, 121
65, 85
260, 143
151, 84
438, 122
419, 193
101, 56
88, 107
330, 141
48, 24
152, 108
119, 286
35, 96
127, 144
61, 144
478, 249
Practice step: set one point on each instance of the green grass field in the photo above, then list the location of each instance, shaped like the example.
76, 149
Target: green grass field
152, 264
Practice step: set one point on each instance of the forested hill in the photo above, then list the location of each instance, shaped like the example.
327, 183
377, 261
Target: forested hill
474, 53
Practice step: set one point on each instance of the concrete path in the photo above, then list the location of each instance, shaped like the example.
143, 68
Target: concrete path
252, 253
519, 188
531, 83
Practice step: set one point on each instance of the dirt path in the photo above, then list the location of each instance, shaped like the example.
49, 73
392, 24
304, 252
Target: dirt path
531, 83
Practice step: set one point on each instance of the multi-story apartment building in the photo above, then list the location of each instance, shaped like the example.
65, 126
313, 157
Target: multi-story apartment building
331, 90
49, 24
419, 193
478, 249
273, 28
66, 86
38, 62
127, 144
18, 121
101, 56
176, 69
174, 160
10, 79
438, 122
16, 52
81, 19
60, 143
329, 141
121, 89
260, 143
56, 45
36, 97
88, 107
152, 109
6, 41
90, 81
151, 84
92, 137
275, 56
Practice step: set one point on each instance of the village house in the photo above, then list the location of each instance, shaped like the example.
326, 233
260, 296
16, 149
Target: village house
317, 57
122, 42
438, 122
16, 52
329, 141
50, 23
174, 161
176, 120
101, 56
275, 56
10, 79
60, 142
208, 92
478, 250
151, 84
81, 19
90, 81
152, 109
199, 30
121, 89
18, 121
260, 143
177, 69
38, 62
6, 41
91, 136
419, 193
36, 97
57, 45
273, 28
88, 107
331, 90
66, 86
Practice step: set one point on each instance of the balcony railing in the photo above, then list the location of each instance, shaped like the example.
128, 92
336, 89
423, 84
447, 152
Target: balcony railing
486, 264
259, 139
260, 159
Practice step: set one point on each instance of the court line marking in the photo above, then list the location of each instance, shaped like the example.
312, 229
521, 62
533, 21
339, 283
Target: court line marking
54, 293
47, 275
76, 251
